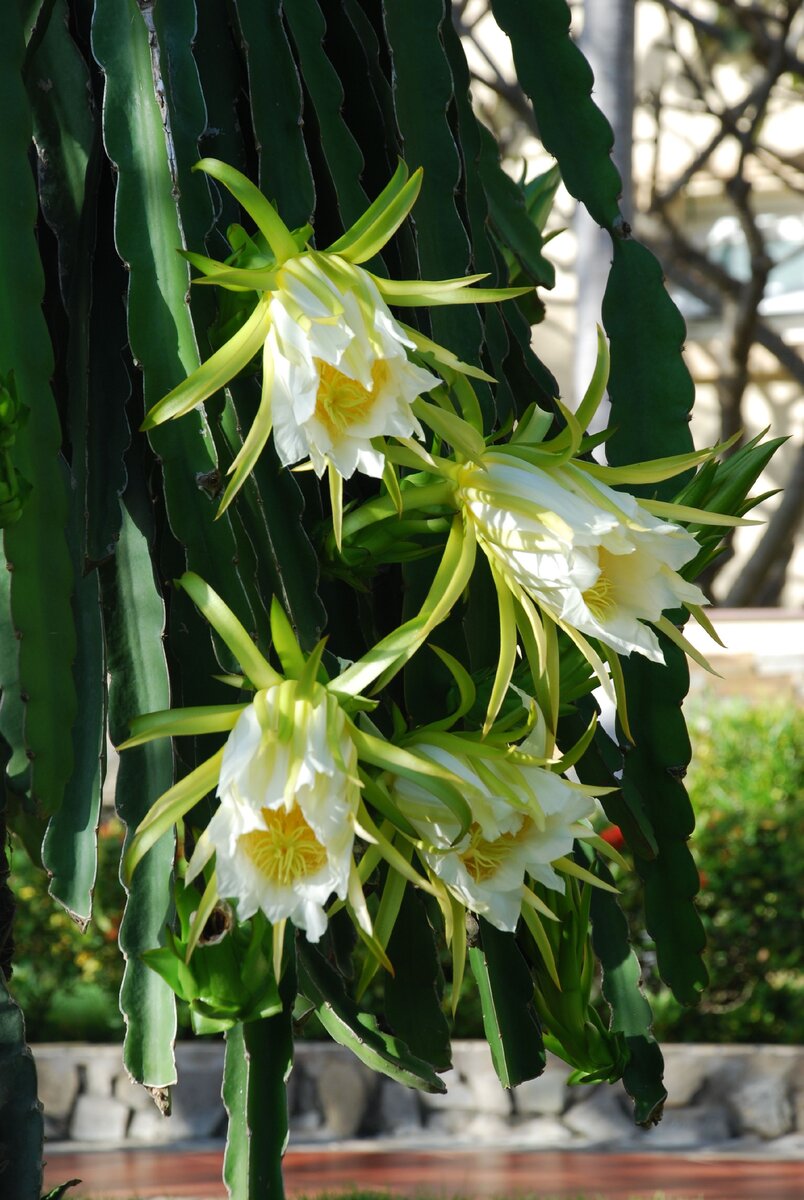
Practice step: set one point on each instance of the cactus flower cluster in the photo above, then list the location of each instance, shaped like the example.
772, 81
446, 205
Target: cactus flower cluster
321, 782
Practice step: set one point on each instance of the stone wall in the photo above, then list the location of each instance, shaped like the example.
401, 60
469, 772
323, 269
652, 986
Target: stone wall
726, 1098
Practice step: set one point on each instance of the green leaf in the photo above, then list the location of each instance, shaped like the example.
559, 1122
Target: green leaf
36, 547
485, 255
272, 505
655, 766
423, 94
20, 1113
341, 152
68, 143
630, 1011
357, 1030
413, 993
650, 388
257, 1065
234, 1092
558, 80
134, 621
148, 232
509, 1017
69, 849
602, 758
510, 219
275, 99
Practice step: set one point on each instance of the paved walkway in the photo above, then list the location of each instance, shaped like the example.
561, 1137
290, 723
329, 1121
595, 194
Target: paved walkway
124, 1174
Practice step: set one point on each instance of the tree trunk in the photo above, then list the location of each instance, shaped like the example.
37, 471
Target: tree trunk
608, 43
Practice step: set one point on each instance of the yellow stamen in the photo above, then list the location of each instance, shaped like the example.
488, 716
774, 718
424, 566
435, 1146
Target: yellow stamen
599, 598
483, 859
341, 401
287, 849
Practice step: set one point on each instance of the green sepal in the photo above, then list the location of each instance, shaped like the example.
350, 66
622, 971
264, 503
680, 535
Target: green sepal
216, 372
182, 722
230, 629
413, 293
381, 220
228, 978
264, 215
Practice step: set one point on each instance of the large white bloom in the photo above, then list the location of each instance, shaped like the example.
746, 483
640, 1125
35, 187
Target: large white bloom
592, 558
341, 373
523, 819
288, 792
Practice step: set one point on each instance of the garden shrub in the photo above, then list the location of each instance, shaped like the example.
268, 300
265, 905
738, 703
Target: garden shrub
746, 782
66, 981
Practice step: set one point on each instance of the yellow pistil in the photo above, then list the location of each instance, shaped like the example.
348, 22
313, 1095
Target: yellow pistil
287, 849
599, 598
483, 859
342, 402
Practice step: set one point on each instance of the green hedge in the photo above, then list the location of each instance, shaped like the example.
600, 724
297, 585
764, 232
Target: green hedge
747, 786
746, 783
67, 982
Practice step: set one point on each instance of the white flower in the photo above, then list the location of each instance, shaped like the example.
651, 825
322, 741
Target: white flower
592, 558
523, 819
341, 374
288, 795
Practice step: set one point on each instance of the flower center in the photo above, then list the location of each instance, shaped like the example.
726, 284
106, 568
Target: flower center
599, 598
483, 859
287, 850
340, 401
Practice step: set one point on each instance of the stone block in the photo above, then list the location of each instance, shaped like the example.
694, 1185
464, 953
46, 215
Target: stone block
548, 1095
798, 1108
487, 1128
306, 1123
98, 1119
762, 1105
542, 1133
100, 1066
458, 1096
465, 1126
57, 1083
685, 1074
200, 1059
600, 1118
686, 1128
474, 1064
791, 1146
305, 1094
55, 1128
196, 1105
149, 1125
343, 1092
400, 1110
132, 1094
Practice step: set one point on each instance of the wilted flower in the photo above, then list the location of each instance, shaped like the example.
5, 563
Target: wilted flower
594, 559
524, 818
